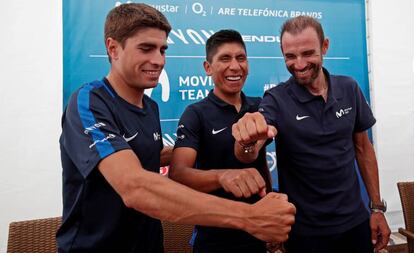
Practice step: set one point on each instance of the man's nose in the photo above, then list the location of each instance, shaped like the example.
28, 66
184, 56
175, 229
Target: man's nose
234, 64
158, 59
300, 63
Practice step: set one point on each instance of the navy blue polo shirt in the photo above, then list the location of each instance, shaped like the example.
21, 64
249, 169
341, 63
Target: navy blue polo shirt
315, 152
97, 123
206, 127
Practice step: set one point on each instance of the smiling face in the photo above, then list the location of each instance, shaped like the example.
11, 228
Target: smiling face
228, 68
303, 54
138, 64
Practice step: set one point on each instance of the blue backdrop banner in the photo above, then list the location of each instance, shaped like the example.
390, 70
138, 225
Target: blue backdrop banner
183, 80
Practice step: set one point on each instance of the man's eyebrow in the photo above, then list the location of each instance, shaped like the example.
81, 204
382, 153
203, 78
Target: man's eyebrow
147, 44
310, 51
151, 45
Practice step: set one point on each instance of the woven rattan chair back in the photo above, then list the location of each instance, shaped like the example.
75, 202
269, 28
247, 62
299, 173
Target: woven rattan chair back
38, 236
406, 190
177, 237
34, 236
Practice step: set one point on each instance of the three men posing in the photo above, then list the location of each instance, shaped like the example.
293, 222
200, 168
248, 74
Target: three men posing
113, 195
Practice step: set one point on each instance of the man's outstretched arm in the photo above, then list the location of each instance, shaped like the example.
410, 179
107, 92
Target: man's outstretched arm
240, 182
270, 219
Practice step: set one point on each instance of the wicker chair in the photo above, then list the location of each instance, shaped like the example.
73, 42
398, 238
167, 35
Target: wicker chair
406, 190
34, 236
177, 237
38, 236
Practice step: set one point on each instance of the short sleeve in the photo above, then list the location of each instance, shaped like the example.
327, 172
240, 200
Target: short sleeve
189, 129
364, 117
269, 108
89, 130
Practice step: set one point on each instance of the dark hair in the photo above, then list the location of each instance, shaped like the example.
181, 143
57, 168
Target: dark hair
300, 23
124, 21
221, 37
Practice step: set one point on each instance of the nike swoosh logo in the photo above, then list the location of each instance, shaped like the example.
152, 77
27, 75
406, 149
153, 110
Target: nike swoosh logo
128, 139
218, 131
301, 117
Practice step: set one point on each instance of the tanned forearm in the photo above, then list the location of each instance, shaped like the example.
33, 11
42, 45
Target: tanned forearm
182, 171
269, 219
167, 200
166, 155
242, 182
200, 180
164, 199
367, 162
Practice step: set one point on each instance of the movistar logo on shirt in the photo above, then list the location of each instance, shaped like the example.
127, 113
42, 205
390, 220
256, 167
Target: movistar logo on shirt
157, 136
343, 112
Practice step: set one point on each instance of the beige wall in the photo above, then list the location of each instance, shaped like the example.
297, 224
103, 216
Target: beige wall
391, 30
30, 108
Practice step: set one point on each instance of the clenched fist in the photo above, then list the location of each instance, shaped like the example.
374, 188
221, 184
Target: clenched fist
251, 128
242, 182
271, 218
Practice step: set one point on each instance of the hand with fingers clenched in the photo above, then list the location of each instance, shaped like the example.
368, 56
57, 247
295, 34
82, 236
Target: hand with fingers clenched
251, 128
271, 218
242, 182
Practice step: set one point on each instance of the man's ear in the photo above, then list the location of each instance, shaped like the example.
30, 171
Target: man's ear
112, 47
207, 68
325, 46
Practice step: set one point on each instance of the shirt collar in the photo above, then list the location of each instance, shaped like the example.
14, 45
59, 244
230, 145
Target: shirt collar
221, 103
131, 107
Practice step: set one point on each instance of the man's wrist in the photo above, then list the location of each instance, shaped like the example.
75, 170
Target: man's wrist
375, 211
378, 206
240, 218
249, 147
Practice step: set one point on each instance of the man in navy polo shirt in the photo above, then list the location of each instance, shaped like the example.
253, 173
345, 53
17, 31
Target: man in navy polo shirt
204, 150
320, 122
111, 150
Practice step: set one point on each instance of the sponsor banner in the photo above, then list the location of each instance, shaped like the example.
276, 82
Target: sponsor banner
183, 80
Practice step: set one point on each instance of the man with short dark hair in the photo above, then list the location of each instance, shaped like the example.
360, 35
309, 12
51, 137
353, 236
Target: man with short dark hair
320, 122
203, 157
111, 151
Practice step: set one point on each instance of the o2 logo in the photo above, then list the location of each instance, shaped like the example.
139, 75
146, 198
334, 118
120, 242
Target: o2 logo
165, 87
